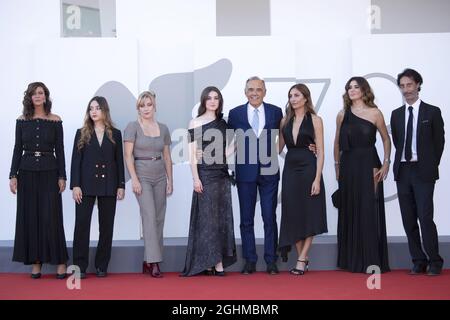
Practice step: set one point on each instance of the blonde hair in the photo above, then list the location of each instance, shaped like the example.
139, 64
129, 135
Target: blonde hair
144, 95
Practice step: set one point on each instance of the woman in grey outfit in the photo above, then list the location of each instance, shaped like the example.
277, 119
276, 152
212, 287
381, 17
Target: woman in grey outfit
147, 155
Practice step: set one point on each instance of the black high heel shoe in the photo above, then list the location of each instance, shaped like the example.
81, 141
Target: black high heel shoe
208, 272
39, 274
300, 272
218, 273
61, 276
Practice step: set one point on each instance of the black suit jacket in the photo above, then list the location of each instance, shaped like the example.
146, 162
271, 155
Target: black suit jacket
430, 139
98, 170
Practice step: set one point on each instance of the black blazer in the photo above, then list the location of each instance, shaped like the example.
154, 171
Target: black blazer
98, 170
430, 139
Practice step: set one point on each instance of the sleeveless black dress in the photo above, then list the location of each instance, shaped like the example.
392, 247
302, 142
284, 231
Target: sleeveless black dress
211, 228
362, 240
302, 215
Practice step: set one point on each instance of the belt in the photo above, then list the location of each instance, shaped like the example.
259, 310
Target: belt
38, 153
148, 158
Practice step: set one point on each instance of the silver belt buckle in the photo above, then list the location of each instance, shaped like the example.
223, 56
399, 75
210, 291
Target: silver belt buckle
37, 153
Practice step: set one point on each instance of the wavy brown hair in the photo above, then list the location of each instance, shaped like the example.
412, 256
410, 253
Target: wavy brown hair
204, 97
367, 94
88, 127
28, 107
309, 107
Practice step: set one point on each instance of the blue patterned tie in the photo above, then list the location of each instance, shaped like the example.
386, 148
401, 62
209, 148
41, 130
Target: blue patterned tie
255, 121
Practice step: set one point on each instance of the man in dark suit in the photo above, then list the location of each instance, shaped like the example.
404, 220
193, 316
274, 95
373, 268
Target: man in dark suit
256, 125
418, 136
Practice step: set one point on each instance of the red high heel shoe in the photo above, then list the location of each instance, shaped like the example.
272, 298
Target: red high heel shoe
155, 272
147, 267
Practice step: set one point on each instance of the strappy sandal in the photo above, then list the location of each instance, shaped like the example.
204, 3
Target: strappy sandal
299, 272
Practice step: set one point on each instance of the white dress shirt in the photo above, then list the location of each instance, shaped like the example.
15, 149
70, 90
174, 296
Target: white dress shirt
415, 112
261, 114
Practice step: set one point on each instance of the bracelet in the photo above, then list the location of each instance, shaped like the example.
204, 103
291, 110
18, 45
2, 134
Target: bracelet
388, 161
336, 163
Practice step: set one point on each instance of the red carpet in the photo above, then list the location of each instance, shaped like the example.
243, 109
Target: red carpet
234, 286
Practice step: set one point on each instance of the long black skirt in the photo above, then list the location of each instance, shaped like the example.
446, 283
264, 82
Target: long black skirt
361, 233
211, 229
39, 222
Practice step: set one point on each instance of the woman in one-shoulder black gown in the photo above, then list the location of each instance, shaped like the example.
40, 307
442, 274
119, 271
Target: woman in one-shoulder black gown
303, 205
211, 243
362, 240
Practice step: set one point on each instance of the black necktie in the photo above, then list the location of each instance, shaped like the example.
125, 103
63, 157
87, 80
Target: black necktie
409, 132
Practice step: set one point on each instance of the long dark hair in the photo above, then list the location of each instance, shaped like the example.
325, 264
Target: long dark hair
367, 94
204, 97
309, 107
28, 107
88, 127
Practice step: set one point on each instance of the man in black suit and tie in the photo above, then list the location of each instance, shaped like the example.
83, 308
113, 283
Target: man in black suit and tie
418, 136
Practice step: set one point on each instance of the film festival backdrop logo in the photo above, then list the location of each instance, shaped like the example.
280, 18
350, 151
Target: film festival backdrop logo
177, 109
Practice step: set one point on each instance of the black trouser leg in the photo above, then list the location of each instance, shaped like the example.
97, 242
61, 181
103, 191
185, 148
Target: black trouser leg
83, 215
423, 194
408, 210
106, 213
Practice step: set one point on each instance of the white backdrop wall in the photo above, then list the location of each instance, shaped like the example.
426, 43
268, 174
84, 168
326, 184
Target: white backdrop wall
322, 39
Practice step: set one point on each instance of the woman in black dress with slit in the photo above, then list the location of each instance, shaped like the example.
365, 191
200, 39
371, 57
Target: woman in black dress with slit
211, 244
38, 177
303, 205
362, 240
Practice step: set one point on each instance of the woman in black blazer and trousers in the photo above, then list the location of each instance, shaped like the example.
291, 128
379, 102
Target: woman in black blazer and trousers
97, 173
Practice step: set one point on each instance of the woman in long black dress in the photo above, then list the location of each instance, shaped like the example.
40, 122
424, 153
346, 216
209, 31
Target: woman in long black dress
38, 176
303, 205
362, 240
211, 244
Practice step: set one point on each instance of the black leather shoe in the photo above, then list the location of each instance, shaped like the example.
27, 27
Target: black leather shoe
249, 268
100, 273
418, 269
272, 268
434, 270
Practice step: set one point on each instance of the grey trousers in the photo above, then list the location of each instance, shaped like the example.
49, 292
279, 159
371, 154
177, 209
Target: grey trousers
152, 204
